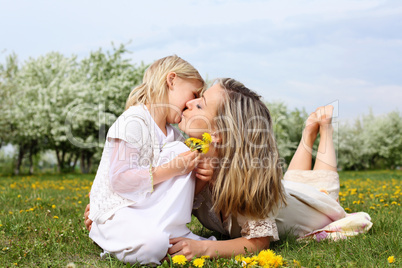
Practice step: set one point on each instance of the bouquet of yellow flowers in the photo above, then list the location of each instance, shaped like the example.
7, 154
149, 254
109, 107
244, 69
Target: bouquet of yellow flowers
201, 145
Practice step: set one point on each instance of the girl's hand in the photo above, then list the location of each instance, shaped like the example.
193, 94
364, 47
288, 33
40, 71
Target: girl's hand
185, 162
182, 164
187, 247
204, 169
87, 221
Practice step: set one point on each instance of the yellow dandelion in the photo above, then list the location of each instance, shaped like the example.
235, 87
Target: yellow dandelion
1, 225
265, 257
206, 137
348, 209
238, 258
296, 263
391, 259
200, 145
394, 203
53, 206
205, 257
199, 262
246, 260
38, 198
179, 259
55, 217
10, 212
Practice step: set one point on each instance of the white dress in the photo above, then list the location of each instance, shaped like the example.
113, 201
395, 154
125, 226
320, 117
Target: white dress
312, 211
141, 232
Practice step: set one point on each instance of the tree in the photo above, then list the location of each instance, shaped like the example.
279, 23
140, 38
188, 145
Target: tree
108, 79
288, 126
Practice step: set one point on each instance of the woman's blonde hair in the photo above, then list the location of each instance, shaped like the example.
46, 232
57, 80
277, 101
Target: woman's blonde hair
248, 181
154, 87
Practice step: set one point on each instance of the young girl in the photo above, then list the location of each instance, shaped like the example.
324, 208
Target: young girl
143, 191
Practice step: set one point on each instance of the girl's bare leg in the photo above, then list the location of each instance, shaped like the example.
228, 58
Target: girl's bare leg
303, 157
326, 157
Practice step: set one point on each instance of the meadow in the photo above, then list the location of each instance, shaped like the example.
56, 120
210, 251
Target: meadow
41, 224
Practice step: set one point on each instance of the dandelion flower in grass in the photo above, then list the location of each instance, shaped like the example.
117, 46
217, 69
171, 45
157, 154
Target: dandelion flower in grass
391, 259
199, 262
238, 258
179, 259
53, 206
296, 263
267, 258
205, 257
55, 217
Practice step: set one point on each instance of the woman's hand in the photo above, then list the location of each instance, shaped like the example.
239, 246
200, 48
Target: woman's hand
204, 169
203, 173
87, 221
223, 249
187, 247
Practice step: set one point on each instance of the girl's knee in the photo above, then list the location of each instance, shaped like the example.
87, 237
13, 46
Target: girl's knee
150, 250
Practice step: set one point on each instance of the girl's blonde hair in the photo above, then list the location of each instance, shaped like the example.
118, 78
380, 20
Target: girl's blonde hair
248, 181
154, 87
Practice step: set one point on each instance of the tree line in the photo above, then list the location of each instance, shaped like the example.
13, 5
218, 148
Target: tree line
66, 105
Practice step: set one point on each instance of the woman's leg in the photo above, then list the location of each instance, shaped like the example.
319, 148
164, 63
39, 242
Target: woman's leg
326, 157
303, 157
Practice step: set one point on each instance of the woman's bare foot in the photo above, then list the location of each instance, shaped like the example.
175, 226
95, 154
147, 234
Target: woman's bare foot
310, 131
324, 117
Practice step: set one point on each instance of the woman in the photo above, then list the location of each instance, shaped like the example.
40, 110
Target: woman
246, 197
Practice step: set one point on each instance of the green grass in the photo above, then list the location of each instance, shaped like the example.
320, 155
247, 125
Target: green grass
41, 224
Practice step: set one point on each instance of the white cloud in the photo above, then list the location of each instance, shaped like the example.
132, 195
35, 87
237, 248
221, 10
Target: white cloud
340, 48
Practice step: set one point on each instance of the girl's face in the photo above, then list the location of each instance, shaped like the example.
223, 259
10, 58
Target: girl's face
182, 91
200, 112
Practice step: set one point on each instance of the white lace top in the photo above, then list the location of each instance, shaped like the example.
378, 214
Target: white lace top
132, 148
239, 226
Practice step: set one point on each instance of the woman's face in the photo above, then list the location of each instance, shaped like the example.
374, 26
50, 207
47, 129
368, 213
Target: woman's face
198, 117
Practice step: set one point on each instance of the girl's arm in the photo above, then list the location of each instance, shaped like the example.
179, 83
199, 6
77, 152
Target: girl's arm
228, 248
132, 181
182, 164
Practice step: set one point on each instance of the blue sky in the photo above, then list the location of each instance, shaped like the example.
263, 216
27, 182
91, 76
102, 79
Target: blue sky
305, 53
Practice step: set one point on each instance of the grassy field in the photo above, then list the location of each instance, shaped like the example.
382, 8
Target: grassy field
41, 224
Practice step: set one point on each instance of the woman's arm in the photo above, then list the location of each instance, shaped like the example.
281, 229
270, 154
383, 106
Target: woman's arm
228, 248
